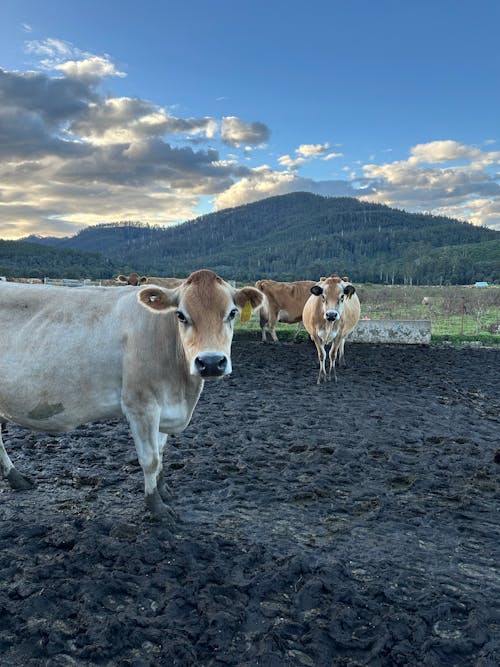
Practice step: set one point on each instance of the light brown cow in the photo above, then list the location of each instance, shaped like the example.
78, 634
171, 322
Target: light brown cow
284, 303
135, 279
330, 314
72, 356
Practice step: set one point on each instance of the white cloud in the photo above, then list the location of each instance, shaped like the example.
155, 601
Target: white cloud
443, 151
291, 163
71, 155
236, 132
430, 180
92, 68
265, 182
312, 150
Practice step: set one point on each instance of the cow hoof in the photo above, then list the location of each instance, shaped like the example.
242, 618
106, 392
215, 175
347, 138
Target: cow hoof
18, 482
164, 489
159, 510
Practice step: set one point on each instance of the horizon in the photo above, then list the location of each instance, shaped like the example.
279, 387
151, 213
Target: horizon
162, 114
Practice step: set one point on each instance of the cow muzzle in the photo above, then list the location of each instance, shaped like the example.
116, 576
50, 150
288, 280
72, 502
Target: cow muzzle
331, 315
212, 365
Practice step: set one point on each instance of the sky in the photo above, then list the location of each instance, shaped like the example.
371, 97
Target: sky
162, 111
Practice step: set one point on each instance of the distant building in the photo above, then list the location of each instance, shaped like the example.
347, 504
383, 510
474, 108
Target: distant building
481, 283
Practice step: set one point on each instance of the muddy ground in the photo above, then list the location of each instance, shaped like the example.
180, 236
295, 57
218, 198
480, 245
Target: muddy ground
346, 524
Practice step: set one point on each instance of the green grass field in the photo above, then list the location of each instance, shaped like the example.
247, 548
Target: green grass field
458, 314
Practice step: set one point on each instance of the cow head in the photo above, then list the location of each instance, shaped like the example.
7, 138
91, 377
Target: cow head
132, 279
205, 307
333, 292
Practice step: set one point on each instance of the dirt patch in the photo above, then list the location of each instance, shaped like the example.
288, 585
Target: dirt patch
353, 523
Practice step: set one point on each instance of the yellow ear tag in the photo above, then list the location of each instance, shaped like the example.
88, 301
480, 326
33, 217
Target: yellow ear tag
246, 312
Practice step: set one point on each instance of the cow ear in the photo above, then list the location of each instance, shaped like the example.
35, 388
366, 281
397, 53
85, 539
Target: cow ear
316, 290
122, 279
322, 279
142, 280
158, 299
349, 290
251, 294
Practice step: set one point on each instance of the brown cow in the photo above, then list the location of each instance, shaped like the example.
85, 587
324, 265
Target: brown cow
330, 314
135, 279
284, 303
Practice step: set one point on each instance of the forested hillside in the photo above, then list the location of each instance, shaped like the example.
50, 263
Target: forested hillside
29, 260
301, 235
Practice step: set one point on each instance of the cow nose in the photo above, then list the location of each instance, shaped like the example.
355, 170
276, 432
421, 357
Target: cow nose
331, 315
211, 365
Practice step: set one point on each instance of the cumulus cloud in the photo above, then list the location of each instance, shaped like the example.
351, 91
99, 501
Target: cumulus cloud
441, 177
124, 119
442, 151
264, 182
306, 153
291, 163
236, 132
58, 54
312, 150
93, 68
71, 155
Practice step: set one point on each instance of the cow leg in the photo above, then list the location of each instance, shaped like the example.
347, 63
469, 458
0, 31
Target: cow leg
274, 335
271, 324
161, 484
341, 353
145, 429
300, 326
333, 358
263, 323
320, 348
16, 481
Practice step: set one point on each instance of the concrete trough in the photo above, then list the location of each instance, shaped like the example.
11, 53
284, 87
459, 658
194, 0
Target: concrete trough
411, 332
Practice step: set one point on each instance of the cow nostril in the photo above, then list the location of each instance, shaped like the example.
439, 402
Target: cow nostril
200, 364
211, 365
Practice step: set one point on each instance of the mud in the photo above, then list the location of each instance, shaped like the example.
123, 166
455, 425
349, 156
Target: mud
347, 524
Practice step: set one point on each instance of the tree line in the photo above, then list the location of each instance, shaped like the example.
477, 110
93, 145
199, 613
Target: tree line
294, 236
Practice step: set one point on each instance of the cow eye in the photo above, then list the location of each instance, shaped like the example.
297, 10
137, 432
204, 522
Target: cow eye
180, 316
232, 314
342, 297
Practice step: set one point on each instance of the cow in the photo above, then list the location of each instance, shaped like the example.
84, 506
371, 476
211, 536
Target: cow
330, 314
69, 356
135, 279
284, 303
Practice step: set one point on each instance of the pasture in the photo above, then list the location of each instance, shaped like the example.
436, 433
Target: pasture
456, 312
344, 524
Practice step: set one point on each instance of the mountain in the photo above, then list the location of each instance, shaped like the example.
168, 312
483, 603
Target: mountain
301, 235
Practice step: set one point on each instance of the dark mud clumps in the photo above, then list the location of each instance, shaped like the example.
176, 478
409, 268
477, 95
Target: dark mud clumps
353, 523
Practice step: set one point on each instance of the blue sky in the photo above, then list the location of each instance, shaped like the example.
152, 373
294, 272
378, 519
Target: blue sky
160, 111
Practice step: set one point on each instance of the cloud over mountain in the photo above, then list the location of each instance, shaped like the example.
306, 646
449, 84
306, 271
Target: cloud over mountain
73, 154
